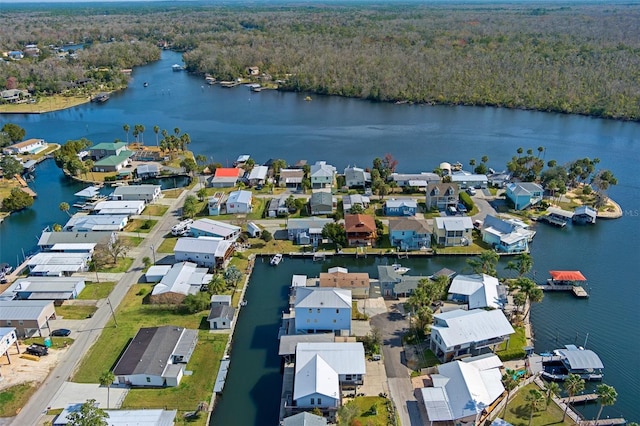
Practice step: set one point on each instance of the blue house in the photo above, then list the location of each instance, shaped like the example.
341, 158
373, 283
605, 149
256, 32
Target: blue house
395, 207
409, 233
524, 194
505, 237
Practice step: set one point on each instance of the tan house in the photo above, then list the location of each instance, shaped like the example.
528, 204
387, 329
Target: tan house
253, 71
28, 317
360, 229
25, 147
442, 195
357, 282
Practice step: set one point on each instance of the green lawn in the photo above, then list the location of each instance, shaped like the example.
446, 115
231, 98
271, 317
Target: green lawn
56, 342
75, 311
371, 411
155, 210
132, 241
172, 193
14, 398
518, 413
96, 291
140, 225
517, 342
123, 265
167, 245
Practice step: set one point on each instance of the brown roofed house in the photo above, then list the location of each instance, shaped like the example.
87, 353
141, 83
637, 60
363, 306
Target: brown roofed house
357, 282
360, 229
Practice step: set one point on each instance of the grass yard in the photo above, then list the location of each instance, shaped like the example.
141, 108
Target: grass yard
167, 245
140, 225
131, 315
96, 291
429, 359
132, 241
517, 342
155, 210
123, 265
56, 342
75, 311
14, 398
45, 104
172, 193
371, 410
518, 413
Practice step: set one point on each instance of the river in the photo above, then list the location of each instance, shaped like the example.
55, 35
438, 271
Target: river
224, 123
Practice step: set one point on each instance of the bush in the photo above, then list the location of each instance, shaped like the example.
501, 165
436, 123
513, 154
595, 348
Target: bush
467, 201
147, 224
266, 236
142, 292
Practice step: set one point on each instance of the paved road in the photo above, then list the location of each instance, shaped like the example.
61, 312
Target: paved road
392, 326
89, 332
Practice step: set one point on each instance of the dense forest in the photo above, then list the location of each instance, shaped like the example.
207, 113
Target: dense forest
573, 58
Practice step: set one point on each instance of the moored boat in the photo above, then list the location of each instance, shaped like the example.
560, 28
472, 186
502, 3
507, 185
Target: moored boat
572, 360
276, 259
399, 269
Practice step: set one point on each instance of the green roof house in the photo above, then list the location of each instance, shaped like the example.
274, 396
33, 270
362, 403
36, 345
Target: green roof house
105, 149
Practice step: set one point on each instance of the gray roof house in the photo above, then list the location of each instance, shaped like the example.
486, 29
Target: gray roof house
414, 179
322, 202
393, 285
350, 200
81, 222
291, 178
441, 195
322, 175
209, 252
355, 177
156, 357
28, 317
304, 419
146, 193
214, 228
221, 317
182, 279
144, 417
48, 240
44, 288
306, 230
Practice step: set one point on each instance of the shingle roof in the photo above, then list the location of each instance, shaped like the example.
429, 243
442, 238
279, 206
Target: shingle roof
359, 223
420, 226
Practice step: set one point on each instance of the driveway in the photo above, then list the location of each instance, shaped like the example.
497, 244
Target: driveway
392, 326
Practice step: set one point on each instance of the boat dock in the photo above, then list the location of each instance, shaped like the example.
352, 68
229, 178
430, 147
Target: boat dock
604, 422
553, 221
581, 399
229, 84
578, 291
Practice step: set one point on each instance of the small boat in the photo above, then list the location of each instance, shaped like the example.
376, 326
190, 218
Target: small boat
5, 268
572, 360
177, 67
276, 259
100, 97
146, 84
399, 269
243, 303
308, 98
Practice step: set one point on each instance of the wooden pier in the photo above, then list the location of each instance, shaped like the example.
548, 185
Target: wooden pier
553, 221
578, 291
604, 422
581, 399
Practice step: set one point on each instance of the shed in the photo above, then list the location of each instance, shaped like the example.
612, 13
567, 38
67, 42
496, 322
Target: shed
253, 230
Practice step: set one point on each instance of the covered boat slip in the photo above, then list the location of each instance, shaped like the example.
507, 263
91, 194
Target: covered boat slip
566, 281
572, 360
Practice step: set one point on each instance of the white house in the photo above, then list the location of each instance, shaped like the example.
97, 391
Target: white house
58, 264
351, 200
214, 228
127, 207
215, 203
239, 202
44, 288
146, 193
355, 177
463, 389
220, 300
253, 230
156, 357
81, 222
258, 175
322, 309
8, 338
323, 369
469, 180
155, 273
182, 279
322, 175
210, 252
221, 317
306, 230
420, 180
144, 417
25, 147
477, 291
453, 231
461, 333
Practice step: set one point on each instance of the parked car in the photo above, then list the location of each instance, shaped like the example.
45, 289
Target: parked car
462, 208
471, 191
37, 350
61, 332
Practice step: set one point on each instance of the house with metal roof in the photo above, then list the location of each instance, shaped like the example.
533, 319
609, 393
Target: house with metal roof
420, 180
149, 170
323, 370
322, 202
400, 207
505, 237
453, 231
209, 252
291, 178
57, 289
146, 417
8, 338
29, 317
48, 241
29, 146
320, 309
82, 222
355, 177
350, 200
111, 207
584, 215
225, 177
322, 175
258, 175
146, 193
239, 202
461, 333
304, 419
469, 180
477, 291
106, 149
410, 233
156, 357
306, 230
113, 163
524, 194
441, 195
54, 264
357, 282
462, 390
182, 279
214, 228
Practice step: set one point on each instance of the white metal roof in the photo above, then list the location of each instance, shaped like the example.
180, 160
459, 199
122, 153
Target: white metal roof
454, 223
215, 246
322, 297
258, 172
184, 278
45, 284
242, 197
24, 309
72, 246
343, 357
403, 202
132, 205
481, 289
581, 359
146, 417
215, 227
299, 281
136, 190
458, 327
315, 376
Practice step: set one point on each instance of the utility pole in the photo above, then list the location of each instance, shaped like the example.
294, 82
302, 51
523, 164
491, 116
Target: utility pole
112, 313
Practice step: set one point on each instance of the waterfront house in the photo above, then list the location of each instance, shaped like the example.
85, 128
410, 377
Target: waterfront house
277, 207
320, 309
498, 179
409, 233
214, 228
453, 231
505, 237
221, 317
415, 180
348, 201
305, 231
400, 207
361, 230
111, 207
182, 279
461, 333
225, 177
239, 202
54, 264
322, 175
29, 146
73, 242
146, 193
82, 222
107, 149
146, 417
57, 289
147, 171
257, 175
156, 357
477, 291
15, 96
324, 370
220, 300
468, 180
241, 160
209, 252
304, 418
28, 317
441, 195
355, 177
462, 390
322, 202
356, 282
394, 285
291, 178
113, 163
584, 215
524, 194
253, 71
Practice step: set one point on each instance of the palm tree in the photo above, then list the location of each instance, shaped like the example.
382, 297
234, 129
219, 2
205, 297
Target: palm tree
607, 395
141, 129
524, 263
126, 130
573, 385
510, 384
106, 379
534, 294
176, 130
485, 159
553, 388
472, 162
64, 207
217, 284
485, 263
156, 129
534, 400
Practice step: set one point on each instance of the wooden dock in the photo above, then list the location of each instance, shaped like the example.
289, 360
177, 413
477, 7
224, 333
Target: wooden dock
560, 223
604, 422
581, 399
578, 291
